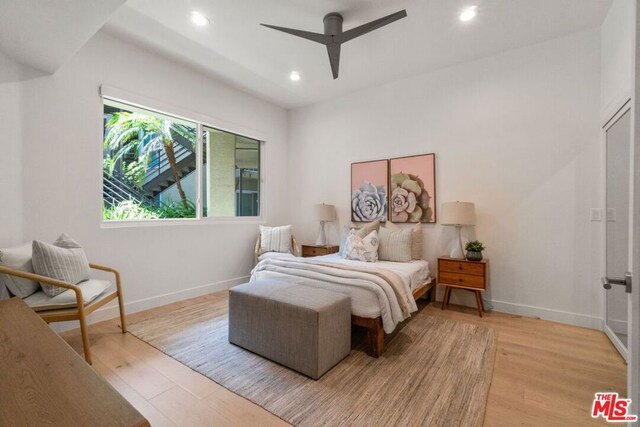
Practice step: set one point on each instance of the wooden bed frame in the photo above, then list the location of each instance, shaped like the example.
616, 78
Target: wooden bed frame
375, 332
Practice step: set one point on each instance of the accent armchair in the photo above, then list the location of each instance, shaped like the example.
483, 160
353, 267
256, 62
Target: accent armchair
65, 307
296, 249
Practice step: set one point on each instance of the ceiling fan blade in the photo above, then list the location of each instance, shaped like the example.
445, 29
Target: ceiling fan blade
333, 49
370, 26
316, 37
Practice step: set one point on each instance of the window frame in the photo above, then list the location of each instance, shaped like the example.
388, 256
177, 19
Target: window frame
201, 121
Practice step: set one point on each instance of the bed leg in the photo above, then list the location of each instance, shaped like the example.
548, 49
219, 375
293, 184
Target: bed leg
376, 338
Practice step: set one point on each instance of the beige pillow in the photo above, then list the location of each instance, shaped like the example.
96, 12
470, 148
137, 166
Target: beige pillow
395, 245
416, 238
63, 260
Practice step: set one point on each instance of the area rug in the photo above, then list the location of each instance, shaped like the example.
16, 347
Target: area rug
435, 372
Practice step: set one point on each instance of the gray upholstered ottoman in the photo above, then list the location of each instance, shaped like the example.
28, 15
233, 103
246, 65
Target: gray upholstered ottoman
304, 328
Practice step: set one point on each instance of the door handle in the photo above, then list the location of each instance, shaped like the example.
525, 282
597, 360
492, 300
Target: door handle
626, 282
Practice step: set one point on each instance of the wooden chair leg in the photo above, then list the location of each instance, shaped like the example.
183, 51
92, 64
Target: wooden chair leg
123, 319
85, 340
479, 302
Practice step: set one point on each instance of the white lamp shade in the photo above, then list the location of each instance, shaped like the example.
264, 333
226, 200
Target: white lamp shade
458, 213
324, 212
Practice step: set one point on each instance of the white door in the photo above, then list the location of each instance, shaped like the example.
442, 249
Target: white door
622, 242
617, 220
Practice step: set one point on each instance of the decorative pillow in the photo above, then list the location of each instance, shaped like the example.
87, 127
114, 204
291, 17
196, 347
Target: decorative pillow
275, 239
361, 230
395, 245
17, 258
64, 260
416, 238
361, 249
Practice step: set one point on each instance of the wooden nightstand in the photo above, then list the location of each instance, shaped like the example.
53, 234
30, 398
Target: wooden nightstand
315, 250
471, 276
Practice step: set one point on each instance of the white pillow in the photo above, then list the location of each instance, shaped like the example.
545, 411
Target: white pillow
361, 249
361, 230
275, 239
17, 258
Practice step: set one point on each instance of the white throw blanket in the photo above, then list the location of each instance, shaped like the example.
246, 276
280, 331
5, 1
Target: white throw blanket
392, 292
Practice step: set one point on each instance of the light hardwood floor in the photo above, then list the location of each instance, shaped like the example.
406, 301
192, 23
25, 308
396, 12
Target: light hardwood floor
545, 374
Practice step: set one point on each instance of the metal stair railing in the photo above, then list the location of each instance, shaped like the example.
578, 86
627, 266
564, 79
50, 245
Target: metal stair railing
115, 189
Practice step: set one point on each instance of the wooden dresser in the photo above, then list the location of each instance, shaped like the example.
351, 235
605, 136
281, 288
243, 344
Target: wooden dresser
316, 250
471, 276
44, 382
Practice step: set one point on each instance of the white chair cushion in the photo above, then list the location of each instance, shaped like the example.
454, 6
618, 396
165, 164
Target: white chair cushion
91, 289
275, 255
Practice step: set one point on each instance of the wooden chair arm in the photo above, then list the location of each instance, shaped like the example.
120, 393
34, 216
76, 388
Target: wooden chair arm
39, 278
49, 281
103, 268
296, 249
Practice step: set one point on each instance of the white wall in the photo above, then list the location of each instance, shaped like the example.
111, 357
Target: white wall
616, 41
516, 133
62, 137
10, 163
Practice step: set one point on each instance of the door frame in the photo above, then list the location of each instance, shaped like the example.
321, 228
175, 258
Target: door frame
625, 106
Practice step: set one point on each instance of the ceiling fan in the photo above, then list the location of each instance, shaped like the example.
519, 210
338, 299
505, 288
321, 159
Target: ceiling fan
333, 36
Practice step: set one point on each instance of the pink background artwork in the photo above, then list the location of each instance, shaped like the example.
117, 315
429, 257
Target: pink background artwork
421, 166
375, 172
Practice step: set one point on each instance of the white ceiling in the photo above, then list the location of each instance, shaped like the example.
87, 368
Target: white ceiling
235, 48
45, 34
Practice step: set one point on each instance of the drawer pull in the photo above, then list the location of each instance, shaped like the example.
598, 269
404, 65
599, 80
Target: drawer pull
459, 267
460, 280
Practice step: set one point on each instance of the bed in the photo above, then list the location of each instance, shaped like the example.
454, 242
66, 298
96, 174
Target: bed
383, 293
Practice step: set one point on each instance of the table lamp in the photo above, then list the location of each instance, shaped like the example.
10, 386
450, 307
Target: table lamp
323, 213
458, 214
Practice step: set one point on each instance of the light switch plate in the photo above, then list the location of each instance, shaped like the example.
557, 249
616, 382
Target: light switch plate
595, 214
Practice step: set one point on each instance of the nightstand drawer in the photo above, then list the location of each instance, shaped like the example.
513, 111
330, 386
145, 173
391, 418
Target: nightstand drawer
466, 280
464, 267
309, 250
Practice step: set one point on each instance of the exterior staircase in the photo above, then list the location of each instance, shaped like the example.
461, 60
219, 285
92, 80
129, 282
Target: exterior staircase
118, 188
159, 176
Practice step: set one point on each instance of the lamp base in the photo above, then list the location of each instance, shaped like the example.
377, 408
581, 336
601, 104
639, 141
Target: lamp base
322, 237
457, 252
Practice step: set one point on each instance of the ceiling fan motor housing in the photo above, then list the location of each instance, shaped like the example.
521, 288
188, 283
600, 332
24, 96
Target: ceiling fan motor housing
332, 23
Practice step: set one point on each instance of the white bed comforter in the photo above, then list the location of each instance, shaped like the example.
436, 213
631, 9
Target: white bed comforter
371, 294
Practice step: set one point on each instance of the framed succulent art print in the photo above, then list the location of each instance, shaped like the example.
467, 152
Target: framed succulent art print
369, 191
413, 189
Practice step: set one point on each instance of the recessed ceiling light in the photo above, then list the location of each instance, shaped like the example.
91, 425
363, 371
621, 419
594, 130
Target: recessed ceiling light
469, 13
199, 19
294, 76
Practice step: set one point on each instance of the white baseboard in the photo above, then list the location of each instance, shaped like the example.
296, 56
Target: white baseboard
561, 316
553, 315
110, 311
618, 326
